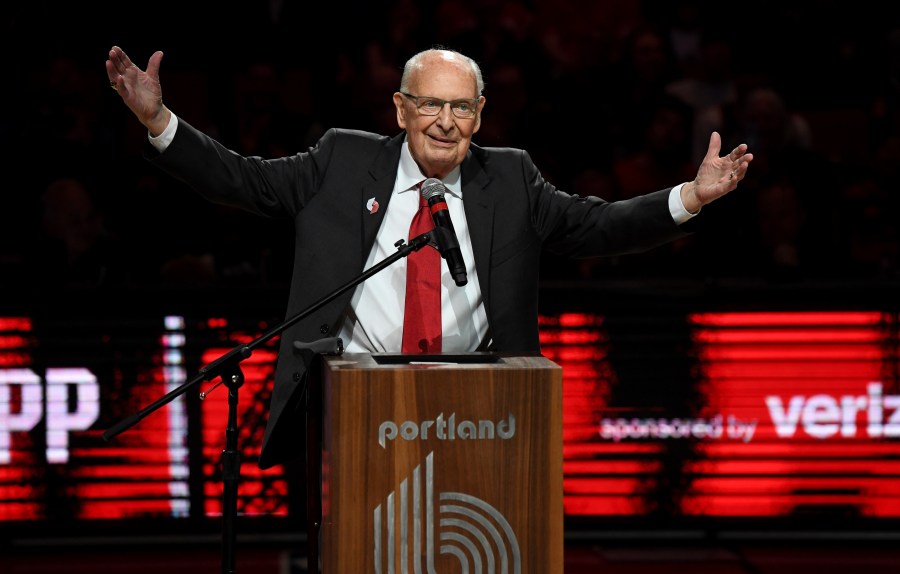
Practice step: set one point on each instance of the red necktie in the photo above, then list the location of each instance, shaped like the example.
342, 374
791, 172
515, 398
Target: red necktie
422, 315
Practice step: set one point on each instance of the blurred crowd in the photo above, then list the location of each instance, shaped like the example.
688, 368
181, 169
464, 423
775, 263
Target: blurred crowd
611, 99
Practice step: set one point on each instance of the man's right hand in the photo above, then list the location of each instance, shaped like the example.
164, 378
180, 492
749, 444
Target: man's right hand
140, 90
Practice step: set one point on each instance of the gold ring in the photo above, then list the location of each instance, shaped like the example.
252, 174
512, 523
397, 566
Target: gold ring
731, 175
113, 85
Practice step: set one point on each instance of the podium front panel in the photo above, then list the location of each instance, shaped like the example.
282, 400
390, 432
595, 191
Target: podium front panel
442, 467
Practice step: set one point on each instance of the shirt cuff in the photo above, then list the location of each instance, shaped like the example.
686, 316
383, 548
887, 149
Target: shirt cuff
162, 141
676, 207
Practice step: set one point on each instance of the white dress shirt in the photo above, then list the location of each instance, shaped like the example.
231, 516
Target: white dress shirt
373, 322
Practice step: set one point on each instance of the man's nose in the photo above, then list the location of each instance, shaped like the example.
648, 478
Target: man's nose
446, 114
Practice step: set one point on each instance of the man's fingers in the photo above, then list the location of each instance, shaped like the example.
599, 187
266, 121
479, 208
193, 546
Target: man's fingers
738, 152
121, 61
153, 65
715, 144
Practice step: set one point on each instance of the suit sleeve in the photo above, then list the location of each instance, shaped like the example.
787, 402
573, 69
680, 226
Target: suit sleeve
268, 187
575, 226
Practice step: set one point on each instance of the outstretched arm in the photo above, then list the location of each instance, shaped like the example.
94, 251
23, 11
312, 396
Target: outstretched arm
139, 89
716, 176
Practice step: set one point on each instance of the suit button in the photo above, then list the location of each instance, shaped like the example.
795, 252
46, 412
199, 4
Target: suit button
323, 329
297, 377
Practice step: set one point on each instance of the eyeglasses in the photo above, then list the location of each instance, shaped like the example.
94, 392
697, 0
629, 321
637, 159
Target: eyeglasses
428, 106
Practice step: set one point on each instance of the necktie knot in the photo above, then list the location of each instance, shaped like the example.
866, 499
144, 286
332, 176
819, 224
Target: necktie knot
423, 203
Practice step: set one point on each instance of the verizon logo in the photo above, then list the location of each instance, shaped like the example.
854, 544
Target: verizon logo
824, 416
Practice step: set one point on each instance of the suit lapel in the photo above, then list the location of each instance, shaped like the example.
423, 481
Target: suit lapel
478, 204
378, 192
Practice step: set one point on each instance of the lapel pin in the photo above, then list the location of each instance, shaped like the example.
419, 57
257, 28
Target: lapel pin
372, 206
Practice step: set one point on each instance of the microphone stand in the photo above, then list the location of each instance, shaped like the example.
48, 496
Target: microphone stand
228, 367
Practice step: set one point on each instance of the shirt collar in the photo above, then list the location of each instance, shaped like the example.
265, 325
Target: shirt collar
409, 175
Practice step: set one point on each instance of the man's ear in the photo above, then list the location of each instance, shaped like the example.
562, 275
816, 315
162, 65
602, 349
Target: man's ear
481, 103
401, 110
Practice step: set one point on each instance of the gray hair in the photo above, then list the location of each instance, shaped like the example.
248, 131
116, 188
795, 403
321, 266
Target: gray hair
415, 63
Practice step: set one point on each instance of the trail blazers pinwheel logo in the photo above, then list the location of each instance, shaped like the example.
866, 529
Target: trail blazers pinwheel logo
464, 526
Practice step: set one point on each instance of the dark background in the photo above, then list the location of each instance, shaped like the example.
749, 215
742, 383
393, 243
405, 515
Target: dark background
610, 99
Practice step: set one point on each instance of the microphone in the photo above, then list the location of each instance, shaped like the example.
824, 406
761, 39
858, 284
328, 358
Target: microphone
433, 190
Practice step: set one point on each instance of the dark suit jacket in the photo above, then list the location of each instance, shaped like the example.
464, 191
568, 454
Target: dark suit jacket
511, 212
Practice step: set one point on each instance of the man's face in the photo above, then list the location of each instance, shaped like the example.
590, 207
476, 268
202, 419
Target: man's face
439, 143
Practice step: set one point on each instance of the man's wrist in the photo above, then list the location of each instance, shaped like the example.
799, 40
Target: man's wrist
165, 137
676, 205
689, 199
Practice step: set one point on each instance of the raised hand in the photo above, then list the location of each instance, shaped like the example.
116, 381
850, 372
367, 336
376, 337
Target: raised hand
717, 175
139, 89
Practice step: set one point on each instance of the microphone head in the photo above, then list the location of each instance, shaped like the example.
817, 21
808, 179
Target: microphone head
433, 187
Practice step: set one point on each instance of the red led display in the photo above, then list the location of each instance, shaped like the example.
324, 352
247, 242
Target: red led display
789, 414
734, 415
54, 462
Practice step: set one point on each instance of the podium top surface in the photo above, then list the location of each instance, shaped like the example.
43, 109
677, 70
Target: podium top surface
355, 361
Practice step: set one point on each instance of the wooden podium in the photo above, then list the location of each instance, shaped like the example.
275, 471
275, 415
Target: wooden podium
441, 467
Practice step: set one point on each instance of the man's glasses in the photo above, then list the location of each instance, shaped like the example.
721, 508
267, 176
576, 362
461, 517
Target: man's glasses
428, 106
